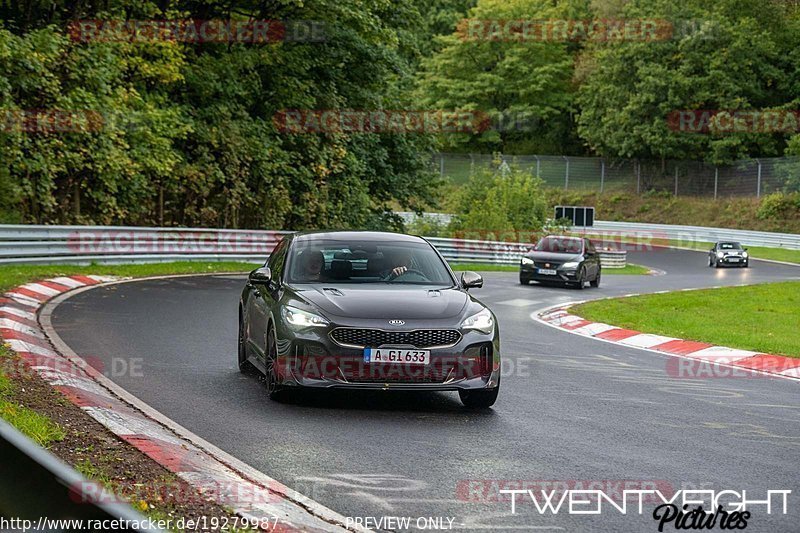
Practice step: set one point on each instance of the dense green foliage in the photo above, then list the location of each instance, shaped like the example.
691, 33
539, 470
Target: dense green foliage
186, 136
614, 98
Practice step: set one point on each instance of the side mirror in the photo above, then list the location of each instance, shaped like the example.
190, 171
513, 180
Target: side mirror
471, 280
260, 276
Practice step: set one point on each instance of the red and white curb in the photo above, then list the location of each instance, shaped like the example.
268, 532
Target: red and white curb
216, 475
715, 356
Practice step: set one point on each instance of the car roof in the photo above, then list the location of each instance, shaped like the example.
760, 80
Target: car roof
348, 235
564, 237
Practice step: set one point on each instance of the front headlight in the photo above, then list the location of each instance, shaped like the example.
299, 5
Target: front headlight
744, 255
526, 261
720, 255
482, 322
302, 319
571, 264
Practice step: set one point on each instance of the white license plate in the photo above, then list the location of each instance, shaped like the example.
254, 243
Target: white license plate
733, 259
387, 355
547, 271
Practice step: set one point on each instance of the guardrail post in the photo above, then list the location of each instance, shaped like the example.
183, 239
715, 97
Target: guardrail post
758, 186
538, 167
566, 174
676, 180
441, 165
716, 181
602, 174
638, 177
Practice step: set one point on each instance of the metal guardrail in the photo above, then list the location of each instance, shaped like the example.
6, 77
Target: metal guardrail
36, 485
688, 235
119, 244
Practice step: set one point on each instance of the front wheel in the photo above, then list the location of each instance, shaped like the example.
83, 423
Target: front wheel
523, 280
580, 279
479, 399
275, 390
595, 283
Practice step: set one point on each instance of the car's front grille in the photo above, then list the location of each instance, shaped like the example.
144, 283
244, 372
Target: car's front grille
546, 264
372, 338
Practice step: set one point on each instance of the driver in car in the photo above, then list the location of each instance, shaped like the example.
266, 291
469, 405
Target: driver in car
403, 261
313, 264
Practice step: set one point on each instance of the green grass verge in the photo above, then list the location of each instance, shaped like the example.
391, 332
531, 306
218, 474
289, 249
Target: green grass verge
478, 267
39, 427
30, 423
761, 318
14, 275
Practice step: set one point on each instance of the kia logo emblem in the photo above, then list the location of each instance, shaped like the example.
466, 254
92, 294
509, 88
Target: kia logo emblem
547, 265
397, 322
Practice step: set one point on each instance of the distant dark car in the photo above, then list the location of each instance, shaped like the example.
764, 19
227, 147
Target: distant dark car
367, 310
728, 253
571, 261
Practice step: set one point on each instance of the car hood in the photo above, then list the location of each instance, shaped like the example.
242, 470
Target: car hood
385, 302
553, 256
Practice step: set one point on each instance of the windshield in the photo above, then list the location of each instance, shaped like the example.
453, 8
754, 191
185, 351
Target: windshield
730, 246
321, 261
561, 245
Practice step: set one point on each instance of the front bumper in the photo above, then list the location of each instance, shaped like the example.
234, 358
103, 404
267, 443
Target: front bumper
310, 358
531, 273
733, 260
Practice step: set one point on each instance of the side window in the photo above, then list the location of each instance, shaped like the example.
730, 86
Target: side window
277, 258
590, 246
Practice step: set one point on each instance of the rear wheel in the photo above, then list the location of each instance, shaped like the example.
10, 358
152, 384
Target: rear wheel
275, 390
479, 399
595, 283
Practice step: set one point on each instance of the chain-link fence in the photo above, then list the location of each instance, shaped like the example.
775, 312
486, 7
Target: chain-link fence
752, 177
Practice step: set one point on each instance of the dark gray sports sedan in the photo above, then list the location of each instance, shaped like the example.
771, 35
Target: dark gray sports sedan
367, 310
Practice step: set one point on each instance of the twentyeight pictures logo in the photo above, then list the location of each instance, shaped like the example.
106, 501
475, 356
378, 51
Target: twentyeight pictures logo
684, 509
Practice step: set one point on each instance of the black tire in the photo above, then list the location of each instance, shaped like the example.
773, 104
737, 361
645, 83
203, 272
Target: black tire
716, 264
595, 283
244, 365
276, 391
479, 399
524, 280
710, 262
581, 279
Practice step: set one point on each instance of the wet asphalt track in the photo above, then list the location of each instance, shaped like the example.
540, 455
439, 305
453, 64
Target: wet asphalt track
571, 408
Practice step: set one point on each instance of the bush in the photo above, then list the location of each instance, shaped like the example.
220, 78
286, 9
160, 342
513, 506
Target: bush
779, 206
512, 200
